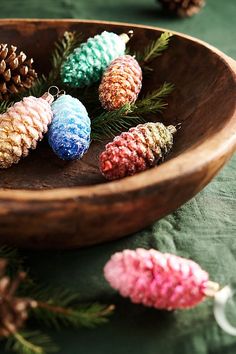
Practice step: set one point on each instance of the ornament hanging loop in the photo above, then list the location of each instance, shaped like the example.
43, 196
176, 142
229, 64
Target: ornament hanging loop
222, 298
52, 93
56, 92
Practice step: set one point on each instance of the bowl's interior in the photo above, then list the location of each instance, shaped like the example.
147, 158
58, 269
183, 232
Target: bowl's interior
202, 98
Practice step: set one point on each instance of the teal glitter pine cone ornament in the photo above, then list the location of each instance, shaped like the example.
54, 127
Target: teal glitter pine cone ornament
86, 64
69, 133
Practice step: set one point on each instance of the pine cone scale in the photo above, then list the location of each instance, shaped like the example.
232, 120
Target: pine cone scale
16, 73
183, 8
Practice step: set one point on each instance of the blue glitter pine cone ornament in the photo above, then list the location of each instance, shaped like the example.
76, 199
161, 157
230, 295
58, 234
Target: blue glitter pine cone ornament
86, 64
69, 133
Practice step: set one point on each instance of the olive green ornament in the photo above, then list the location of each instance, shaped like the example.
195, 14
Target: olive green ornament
86, 64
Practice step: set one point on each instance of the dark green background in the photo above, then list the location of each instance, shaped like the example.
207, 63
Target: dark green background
204, 229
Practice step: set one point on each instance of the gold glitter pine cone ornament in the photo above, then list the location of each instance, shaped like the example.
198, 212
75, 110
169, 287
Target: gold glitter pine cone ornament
22, 126
13, 309
183, 8
16, 72
121, 83
136, 150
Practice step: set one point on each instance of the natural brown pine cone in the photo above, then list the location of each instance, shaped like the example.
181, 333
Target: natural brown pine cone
183, 8
13, 310
16, 72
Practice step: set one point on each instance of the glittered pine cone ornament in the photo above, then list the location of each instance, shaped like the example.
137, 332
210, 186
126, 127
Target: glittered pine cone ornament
183, 8
69, 133
136, 150
121, 83
160, 280
16, 72
86, 64
22, 126
13, 309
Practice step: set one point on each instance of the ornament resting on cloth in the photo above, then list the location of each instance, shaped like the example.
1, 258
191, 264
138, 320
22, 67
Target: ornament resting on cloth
86, 64
13, 309
121, 83
136, 150
22, 126
69, 133
166, 281
183, 8
16, 72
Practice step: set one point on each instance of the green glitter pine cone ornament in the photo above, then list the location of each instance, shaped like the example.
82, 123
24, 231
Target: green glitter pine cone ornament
121, 83
136, 150
86, 64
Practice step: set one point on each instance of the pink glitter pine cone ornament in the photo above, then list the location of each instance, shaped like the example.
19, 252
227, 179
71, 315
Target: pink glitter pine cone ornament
160, 280
22, 126
121, 83
136, 150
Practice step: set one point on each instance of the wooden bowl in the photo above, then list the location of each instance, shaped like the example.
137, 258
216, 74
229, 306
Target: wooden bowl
48, 203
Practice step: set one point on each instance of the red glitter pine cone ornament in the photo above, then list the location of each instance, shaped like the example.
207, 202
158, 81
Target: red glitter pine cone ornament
160, 280
121, 83
136, 150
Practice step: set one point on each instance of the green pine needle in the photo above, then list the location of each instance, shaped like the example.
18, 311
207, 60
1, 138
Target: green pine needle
62, 49
154, 49
154, 101
15, 261
55, 316
30, 343
4, 105
112, 123
61, 307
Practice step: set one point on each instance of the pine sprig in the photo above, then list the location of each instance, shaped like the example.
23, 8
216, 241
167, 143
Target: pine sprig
111, 123
56, 316
62, 48
154, 49
30, 343
15, 261
61, 307
4, 105
154, 101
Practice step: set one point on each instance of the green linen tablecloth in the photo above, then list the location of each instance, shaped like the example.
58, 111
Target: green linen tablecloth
204, 229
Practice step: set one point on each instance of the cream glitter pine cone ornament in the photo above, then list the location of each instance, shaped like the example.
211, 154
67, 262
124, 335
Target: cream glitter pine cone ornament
86, 64
121, 83
136, 150
16, 72
22, 126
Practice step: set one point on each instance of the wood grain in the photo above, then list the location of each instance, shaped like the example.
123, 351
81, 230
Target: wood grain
49, 203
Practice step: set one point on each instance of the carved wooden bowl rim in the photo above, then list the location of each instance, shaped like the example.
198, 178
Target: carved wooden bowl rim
217, 146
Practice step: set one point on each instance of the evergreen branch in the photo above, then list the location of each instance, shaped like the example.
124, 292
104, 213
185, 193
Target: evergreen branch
154, 101
112, 123
62, 49
15, 262
30, 343
4, 105
154, 49
58, 307
56, 316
